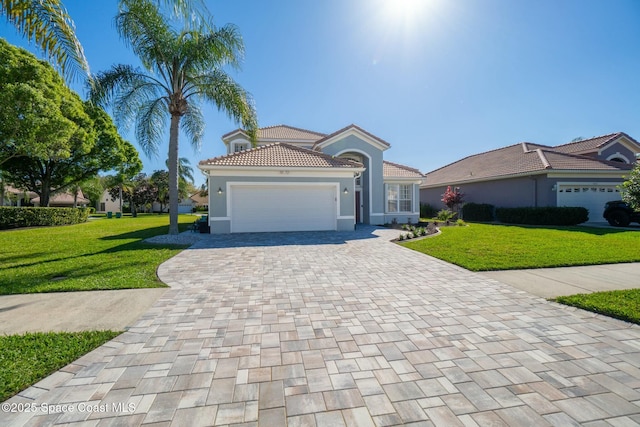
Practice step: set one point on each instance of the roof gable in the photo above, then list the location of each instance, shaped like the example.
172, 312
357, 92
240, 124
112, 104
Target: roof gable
279, 154
352, 130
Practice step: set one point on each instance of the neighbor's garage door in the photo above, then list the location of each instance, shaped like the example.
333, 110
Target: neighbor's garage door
592, 197
283, 208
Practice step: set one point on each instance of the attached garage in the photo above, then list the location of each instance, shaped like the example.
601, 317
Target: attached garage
281, 187
272, 207
592, 197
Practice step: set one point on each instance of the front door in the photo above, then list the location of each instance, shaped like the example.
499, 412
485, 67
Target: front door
358, 203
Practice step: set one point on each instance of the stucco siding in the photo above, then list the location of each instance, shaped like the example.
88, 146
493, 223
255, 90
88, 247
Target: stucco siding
539, 190
508, 193
374, 191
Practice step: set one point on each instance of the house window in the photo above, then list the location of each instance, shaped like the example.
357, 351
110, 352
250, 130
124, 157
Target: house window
237, 147
103, 206
399, 197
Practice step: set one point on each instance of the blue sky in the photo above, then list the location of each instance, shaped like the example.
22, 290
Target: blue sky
437, 79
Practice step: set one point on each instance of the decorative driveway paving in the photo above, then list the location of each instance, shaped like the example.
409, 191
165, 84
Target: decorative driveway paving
334, 329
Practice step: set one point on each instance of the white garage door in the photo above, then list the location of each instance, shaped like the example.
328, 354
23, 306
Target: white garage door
283, 208
592, 197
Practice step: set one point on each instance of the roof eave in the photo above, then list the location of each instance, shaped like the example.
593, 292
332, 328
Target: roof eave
484, 179
279, 168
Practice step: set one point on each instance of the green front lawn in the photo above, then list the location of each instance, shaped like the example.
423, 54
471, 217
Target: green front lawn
26, 359
624, 304
99, 254
482, 247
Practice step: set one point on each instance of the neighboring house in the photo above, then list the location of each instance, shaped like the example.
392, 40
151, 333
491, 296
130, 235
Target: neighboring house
584, 173
184, 206
300, 180
200, 201
64, 200
15, 197
107, 203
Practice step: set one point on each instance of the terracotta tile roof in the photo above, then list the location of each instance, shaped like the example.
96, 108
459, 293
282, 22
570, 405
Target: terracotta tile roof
588, 144
283, 132
199, 199
326, 137
562, 161
399, 171
63, 199
288, 132
280, 155
519, 159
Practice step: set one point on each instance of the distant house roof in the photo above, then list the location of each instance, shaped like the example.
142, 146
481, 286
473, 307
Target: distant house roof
521, 159
63, 199
13, 190
399, 171
280, 155
199, 199
281, 132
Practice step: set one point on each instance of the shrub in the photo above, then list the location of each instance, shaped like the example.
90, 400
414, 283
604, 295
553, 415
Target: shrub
478, 212
460, 223
14, 217
445, 215
427, 211
543, 216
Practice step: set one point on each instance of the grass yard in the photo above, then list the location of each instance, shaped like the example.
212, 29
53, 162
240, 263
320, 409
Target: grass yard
99, 254
483, 247
624, 304
26, 359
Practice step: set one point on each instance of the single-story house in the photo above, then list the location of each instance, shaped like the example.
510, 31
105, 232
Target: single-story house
108, 203
584, 173
64, 200
15, 197
111, 204
301, 180
199, 200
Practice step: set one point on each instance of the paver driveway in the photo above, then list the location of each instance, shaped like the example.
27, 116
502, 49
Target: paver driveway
346, 329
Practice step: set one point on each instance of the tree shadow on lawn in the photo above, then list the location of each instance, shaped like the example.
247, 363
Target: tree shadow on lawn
65, 280
144, 233
596, 231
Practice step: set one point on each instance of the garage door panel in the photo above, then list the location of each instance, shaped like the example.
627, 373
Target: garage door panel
591, 197
256, 208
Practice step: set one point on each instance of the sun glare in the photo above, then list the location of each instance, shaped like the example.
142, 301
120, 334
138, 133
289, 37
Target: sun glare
405, 10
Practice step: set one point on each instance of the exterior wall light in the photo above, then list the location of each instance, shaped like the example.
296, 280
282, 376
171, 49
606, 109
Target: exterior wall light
345, 190
219, 190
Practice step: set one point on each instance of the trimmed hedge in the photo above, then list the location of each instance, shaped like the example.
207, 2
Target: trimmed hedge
543, 216
14, 217
477, 212
427, 211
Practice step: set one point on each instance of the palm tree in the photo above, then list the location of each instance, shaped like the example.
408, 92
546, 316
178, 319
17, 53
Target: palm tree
181, 68
48, 24
185, 171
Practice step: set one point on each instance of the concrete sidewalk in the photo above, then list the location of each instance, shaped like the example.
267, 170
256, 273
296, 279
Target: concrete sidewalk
555, 282
75, 311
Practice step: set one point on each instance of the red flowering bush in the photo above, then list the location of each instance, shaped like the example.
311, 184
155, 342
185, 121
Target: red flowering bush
452, 198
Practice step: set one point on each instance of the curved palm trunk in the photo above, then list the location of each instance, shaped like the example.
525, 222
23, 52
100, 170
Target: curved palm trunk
173, 174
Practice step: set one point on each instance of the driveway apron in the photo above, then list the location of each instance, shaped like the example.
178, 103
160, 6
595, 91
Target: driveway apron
335, 329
